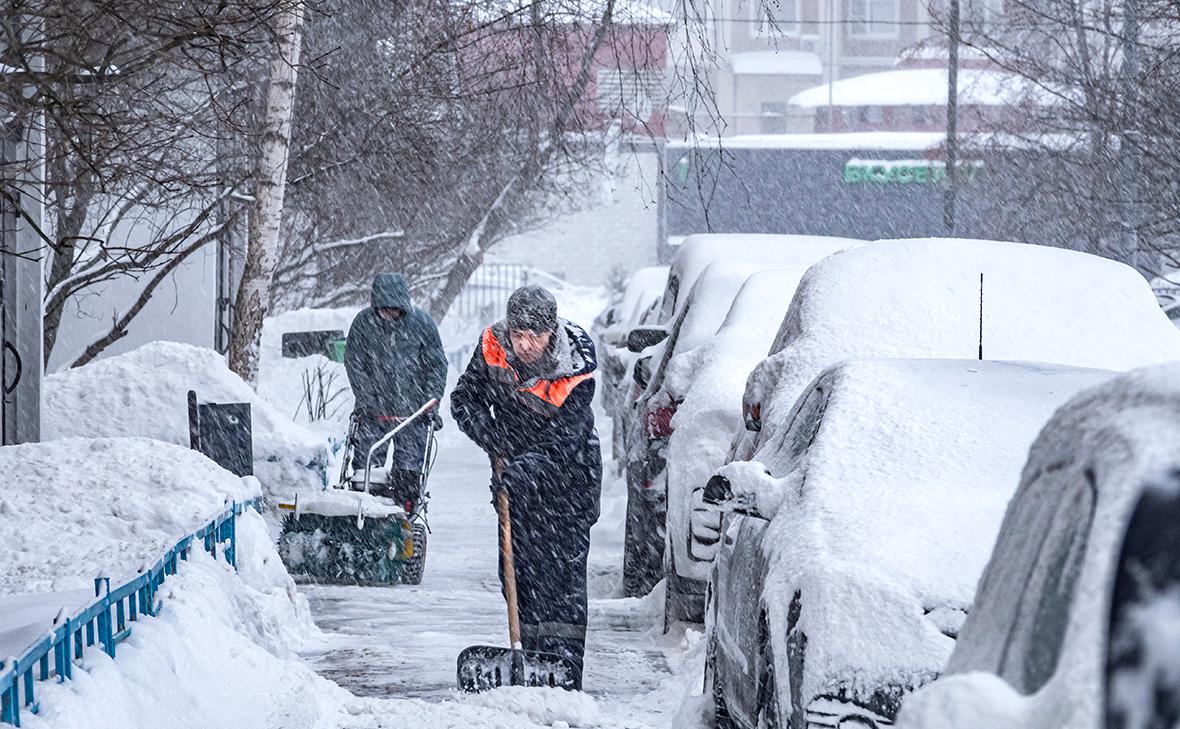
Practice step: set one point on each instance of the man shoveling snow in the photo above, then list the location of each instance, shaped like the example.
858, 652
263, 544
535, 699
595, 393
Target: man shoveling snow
525, 400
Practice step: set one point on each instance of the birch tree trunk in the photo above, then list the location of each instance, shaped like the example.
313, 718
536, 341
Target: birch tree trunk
270, 186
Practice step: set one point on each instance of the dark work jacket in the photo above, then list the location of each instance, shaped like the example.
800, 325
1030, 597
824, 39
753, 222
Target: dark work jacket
541, 426
394, 367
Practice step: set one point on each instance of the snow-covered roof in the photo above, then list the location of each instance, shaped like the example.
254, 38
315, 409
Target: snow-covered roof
903, 141
921, 298
776, 63
624, 12
919, 87
1109, 443
769, 251
890, 514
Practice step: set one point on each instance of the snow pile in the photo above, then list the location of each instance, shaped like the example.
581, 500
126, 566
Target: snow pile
892, 510
1033, 650
921, 298
83, 508
144, 393
708, 382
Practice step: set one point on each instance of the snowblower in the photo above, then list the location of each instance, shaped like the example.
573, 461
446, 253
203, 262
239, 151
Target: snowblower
485, 667
346, 533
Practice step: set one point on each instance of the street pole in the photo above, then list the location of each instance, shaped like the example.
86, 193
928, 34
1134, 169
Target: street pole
1128, 144
21, 280
950, 195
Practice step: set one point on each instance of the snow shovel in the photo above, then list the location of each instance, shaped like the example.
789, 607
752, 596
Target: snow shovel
484, 667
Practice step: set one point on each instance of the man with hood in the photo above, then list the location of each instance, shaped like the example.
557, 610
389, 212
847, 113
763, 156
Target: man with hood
525, 400
395, 364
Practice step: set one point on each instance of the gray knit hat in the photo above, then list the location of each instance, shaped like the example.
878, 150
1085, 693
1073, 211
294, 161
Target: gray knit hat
532, 308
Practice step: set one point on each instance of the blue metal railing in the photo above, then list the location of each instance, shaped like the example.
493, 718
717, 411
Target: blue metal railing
54, 655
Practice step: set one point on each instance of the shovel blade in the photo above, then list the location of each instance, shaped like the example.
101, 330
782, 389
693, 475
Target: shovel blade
484, 667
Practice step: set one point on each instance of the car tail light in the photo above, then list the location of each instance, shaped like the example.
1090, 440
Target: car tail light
659, 421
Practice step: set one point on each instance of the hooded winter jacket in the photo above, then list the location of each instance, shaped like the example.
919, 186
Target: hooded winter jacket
529, 414
394, 367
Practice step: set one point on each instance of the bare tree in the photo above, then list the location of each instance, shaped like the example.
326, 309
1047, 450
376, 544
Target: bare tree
270, 187
135, 95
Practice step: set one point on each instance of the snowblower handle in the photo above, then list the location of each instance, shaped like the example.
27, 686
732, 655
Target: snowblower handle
432, 404
508, 567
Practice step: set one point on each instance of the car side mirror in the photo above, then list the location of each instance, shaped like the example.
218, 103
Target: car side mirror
719, 496
641, 338
641, 373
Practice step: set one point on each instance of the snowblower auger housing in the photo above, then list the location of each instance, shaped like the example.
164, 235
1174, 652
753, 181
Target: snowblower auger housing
346, 534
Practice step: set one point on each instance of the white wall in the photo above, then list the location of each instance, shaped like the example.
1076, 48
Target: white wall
582, 247
181, 310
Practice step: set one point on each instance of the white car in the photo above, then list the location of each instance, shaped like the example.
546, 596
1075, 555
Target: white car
851, 553
644, 542
922, 298
704, 387
640, 300
1036, 651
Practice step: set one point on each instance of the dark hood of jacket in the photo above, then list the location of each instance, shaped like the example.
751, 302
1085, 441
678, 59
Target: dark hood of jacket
390, 291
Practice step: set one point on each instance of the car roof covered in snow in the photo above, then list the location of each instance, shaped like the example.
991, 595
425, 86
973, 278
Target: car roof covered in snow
1110, 441
921, 87
642, 289
769, 251
893, 508
921, 298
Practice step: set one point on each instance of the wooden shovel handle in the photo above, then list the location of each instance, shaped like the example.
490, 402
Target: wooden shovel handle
506, 562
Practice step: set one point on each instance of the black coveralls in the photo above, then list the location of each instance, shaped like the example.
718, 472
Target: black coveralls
543, 430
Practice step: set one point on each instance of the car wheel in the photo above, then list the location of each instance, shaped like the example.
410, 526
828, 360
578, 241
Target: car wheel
721, 718
767, 685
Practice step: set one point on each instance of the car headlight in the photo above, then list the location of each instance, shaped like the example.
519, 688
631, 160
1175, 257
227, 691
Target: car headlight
829, 713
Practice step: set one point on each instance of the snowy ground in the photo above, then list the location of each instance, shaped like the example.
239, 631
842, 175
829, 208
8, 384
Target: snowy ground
402, 641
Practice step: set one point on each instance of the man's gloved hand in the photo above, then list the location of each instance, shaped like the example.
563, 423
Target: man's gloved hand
436, 418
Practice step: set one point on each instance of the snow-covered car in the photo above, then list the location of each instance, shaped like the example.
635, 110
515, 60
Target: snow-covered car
1035, 648
643, 555
649, 424
640, 300
851, 554
704, 386
956, 298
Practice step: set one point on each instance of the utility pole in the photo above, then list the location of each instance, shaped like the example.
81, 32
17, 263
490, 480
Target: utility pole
1128, 142
950, 195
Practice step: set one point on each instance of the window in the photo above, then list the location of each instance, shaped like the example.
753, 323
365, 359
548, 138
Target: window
774, 118
872, 17
978, 14
780, 17
921, 116
1043, 607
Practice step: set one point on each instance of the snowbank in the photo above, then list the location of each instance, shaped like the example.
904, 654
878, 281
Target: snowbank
144, 393
76, 509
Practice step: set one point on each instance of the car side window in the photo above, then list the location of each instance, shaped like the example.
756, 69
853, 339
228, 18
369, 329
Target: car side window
805, 423
1038, 634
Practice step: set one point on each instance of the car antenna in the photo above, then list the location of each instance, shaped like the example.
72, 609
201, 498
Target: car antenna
981, 316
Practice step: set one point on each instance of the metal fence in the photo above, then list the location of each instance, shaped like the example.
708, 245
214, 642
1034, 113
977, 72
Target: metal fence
106, 621
486, 293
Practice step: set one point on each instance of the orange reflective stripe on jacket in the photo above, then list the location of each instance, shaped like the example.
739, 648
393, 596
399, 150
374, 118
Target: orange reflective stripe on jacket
553, 392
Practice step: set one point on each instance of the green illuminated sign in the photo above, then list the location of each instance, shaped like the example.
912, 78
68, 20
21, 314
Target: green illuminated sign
905, 172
